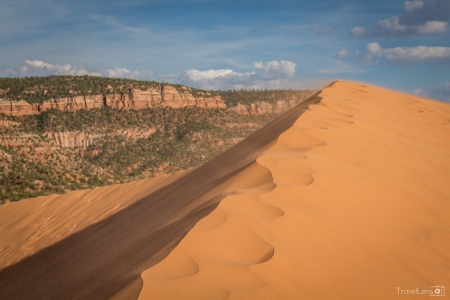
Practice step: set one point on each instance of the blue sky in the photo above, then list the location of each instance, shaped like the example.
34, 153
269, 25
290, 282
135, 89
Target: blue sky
402, 45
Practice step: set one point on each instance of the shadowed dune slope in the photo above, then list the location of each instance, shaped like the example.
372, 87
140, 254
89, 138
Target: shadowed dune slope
360, 210
31, 225
106, 259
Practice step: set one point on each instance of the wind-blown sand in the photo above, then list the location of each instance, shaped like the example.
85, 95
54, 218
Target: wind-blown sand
30, 225
349, 200
105, 260
360, 209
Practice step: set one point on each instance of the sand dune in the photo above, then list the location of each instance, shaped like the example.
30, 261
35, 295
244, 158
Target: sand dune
348, 199
30, 225
105, 259
355, 204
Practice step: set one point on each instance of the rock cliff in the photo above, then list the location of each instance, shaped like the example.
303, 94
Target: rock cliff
163, 95
81, 139
262, 107
134, 98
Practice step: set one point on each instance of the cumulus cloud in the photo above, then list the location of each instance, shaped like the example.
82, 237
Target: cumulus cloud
420, 18
125, 73
392, 26
410, 55
211, 79
439, 91
201, 76
271, 74
357, 31
343, 55
276, 70
274, 74
41, 68
411, 5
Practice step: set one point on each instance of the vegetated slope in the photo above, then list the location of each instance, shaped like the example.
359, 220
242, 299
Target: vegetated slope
39, 89
119, 146
108, 257
32, 165
51, 144
246, 97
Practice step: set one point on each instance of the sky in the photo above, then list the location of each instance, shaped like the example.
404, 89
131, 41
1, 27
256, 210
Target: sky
227, 44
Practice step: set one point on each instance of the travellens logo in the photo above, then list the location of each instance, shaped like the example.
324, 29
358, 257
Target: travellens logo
435, 290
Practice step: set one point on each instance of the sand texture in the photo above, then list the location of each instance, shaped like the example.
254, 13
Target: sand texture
30, 225
351, 202
105, 259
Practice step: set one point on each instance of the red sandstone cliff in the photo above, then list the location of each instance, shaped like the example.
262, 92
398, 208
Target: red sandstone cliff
164, 95
262, 107
81, 139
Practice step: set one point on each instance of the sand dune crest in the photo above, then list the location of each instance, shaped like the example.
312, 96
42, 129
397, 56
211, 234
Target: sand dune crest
360, 208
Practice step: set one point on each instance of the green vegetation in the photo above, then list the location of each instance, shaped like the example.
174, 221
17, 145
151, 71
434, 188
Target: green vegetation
31, 165
233, 97
128, 145
57, 151
39, 89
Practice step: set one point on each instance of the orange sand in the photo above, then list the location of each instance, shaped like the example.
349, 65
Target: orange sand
361, 208
30, 225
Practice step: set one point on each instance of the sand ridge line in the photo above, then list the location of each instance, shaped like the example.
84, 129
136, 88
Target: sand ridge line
360, 183
106, 258
245, 213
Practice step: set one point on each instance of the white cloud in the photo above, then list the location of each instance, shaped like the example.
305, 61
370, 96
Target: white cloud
41, 68
274, 74
392, 26
411, 5
433, 27
125, 73
410, 55
212, 79
357, 31
439, 91
277, 70
428, 17
343, 55
200, 76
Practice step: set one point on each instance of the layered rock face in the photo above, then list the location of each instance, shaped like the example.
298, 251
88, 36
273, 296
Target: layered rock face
81, 139
171, 97
73, 103
164, 95
18, 108
261, 107
159, 96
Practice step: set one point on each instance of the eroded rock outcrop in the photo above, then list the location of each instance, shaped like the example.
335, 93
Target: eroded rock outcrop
262, 107
163, 95
73, 103
18, 108
81, 139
